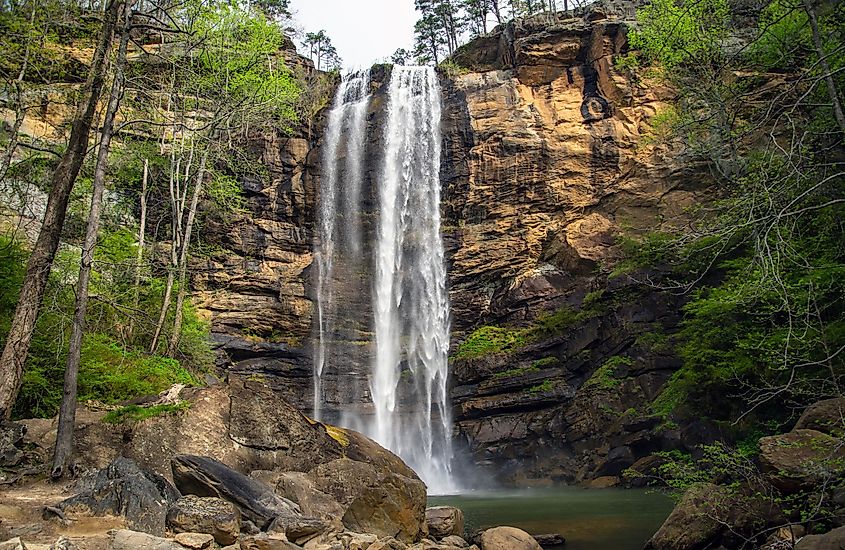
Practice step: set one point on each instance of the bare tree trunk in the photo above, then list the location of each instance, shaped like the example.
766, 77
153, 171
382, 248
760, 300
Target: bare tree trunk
41, 260
67, 411
20, 111
496, 11
828, 76
176, 215
183, 258
139, 257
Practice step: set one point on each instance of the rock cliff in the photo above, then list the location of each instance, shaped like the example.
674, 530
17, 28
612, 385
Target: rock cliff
547, 162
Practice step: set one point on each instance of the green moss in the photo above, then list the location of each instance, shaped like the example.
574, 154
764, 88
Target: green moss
519, 371
488, 340
135, 413
605, 376
546, 386
545, 362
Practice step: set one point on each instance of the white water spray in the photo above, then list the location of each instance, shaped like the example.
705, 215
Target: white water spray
410, 412
411, 305
339, 208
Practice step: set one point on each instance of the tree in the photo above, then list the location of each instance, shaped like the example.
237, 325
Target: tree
400, 56
44, 251
67, 411
321, 51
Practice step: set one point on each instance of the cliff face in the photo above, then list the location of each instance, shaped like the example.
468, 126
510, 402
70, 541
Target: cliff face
547, 160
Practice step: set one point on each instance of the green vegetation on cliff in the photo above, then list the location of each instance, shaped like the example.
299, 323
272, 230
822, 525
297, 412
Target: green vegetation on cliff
487, 340
764, 265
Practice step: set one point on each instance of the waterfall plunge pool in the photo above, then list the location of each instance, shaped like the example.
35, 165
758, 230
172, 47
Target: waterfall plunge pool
589, 519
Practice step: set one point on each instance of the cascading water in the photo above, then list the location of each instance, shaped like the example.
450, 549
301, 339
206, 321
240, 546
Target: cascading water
339, 250
411, 303
408, 404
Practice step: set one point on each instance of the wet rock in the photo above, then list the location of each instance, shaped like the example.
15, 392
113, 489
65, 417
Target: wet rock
550, 539
801, 458
203, 476
124, 489
507, 538
834, 540
379, 502
211, 515
826, 416
443, 521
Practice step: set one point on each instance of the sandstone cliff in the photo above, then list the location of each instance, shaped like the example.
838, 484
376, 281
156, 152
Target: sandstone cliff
547, 161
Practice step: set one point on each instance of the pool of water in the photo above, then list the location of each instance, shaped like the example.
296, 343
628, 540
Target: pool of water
605, 519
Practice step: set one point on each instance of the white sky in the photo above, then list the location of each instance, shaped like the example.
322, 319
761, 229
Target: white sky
363, 31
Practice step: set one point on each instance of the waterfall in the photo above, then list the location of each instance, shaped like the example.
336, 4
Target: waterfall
339, 250
411, 305
405, 406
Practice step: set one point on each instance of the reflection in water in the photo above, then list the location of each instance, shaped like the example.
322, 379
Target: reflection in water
607, 519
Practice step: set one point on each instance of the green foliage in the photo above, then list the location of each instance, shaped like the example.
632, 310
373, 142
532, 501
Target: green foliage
545, 362
135, 413
545, 386
654, 341
452, 69
518, 371
226, 193
605, 377
487, 340
678, 33
112, 369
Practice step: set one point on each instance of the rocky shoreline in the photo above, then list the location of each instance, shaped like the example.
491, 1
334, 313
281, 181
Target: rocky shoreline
234, 466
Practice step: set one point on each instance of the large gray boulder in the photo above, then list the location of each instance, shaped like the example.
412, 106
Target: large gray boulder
124, 489
206, 477
443, 521
374, 501
801, 459
211, 515
834, 540
827, 416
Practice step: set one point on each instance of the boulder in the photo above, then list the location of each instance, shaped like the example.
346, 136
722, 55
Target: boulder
195, 541
508, 538
301, 489
265, 541
380, 502
11, 438
124, 539
550, 539
124, 489
211, 515
203, 476
387, 543
710, 515
692, 524
826, 416
12, 544
801, 459
297, 527
443, 521
834, 540
454, 540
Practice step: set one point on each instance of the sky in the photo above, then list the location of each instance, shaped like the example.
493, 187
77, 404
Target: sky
363, 31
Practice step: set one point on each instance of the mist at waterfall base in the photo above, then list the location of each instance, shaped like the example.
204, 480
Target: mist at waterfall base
382, 302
